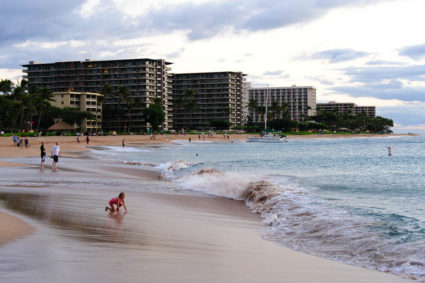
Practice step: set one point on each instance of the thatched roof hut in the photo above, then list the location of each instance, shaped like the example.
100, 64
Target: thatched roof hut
62, 126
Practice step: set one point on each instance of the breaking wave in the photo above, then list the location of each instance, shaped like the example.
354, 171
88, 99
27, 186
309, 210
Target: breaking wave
295, 217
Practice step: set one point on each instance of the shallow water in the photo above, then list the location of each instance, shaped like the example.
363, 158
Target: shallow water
77, 241
343, 199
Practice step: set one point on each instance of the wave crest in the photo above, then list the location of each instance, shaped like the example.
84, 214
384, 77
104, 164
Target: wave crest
169, 168
258, 193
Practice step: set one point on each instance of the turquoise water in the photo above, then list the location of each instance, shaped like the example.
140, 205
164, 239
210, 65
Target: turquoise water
343, 199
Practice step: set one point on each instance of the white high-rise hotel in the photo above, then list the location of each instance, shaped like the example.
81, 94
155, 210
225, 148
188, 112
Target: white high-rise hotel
298, 101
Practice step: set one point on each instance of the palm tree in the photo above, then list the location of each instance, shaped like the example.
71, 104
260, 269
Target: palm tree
41, 102
189, 104
276, 109
252, 106
285, 110
261, 111
107, 93
124, 96
6, 87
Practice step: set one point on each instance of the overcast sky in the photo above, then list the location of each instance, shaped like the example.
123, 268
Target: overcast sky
370, 52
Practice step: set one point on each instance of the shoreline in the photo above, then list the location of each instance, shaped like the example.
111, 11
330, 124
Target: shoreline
70, 146
183, 239
217, 237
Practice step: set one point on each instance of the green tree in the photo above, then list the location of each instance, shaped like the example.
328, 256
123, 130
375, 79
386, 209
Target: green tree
252, 106
190, 104
126, 101
155, 116
275, 110
75, 116
6, 87
41, 102
283, 124
220, 124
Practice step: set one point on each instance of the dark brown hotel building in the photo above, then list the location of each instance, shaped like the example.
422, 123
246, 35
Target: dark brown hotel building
216, 96
145, 79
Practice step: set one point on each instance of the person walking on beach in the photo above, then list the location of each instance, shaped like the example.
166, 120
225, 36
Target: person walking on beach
118, 201
15, 139
55, 155
43, 155
123, 143
87, 139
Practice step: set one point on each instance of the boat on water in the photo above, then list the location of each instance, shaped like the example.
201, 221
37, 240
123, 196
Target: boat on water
269, 138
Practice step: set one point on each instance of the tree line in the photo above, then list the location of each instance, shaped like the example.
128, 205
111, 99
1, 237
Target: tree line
24, 108
279, 118
121, 110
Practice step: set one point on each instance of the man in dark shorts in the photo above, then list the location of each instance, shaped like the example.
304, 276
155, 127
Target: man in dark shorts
55, 154
43, 155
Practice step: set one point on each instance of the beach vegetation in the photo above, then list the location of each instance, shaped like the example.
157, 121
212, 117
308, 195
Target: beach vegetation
74, 115
332, 122
27, 109
187, 104
155, 116
220, 124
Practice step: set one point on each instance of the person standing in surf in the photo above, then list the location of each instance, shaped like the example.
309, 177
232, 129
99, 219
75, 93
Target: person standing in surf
42, 155
55, 155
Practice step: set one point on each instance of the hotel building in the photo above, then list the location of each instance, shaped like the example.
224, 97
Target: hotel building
216, 96
146, 80
348, 107
298, 101
84, 101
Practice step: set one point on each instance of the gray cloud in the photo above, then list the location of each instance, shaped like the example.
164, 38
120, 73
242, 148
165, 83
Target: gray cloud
51, 20
385, 82
175, 54
415, 52
381, 62
212, 18
273, 73
339, 55
385, 92
412, 114
92, 50
377, 74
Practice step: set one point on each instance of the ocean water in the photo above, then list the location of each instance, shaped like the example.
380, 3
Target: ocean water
341, 199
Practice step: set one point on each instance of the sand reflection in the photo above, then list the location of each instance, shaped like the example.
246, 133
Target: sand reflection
73, 216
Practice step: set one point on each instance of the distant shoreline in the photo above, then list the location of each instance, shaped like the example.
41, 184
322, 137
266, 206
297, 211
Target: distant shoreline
69, 144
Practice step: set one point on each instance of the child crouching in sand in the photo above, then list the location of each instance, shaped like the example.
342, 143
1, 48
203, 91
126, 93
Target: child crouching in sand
118, 201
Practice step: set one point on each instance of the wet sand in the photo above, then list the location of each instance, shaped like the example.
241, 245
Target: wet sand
167, 235
12, 228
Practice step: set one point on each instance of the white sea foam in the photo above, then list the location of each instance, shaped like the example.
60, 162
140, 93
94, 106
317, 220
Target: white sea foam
169, 168
124, 149
193, 142
296, 218
214, 182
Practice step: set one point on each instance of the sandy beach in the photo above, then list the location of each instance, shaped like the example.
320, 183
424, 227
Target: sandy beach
165, 237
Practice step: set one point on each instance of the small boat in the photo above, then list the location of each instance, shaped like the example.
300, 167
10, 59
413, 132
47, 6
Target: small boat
269, 138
